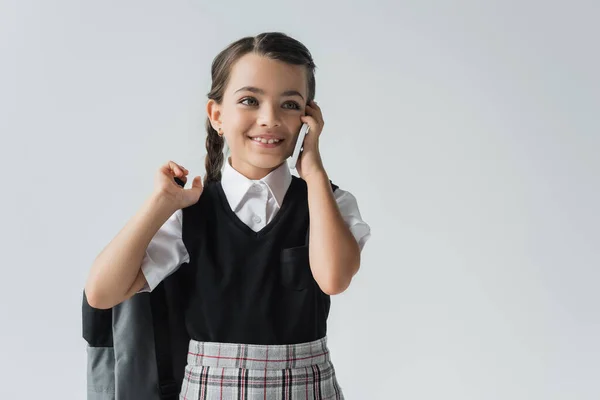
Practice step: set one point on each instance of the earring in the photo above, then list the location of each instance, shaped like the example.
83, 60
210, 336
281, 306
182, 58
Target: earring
220, 133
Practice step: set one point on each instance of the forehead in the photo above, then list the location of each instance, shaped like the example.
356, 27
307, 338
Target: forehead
272, 76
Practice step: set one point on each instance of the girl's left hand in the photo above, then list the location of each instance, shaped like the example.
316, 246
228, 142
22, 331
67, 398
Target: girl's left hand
310, 162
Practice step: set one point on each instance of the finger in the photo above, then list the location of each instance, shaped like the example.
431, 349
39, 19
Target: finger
181, 168
315, 111
312, 123
173, 165
176, 169
196, 189
197, 183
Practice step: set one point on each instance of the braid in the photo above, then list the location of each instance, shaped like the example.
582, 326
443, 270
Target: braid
214, 154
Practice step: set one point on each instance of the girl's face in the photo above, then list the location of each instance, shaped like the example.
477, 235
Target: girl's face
260, 113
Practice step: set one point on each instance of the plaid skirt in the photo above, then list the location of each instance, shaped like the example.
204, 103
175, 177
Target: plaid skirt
227, 371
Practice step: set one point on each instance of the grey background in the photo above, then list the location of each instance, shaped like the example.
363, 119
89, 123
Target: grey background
468, 131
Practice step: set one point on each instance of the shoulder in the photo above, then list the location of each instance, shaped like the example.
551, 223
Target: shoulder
210, 194
301, 183
345, 200
350, 211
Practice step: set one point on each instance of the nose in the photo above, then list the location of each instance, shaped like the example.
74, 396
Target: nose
269, 116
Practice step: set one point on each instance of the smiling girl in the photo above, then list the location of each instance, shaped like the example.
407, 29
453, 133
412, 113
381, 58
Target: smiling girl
259, 251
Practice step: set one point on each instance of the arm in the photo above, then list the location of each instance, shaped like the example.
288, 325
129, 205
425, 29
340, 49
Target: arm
116, 272
334, 253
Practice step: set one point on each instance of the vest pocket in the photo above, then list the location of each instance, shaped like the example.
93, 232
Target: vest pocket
295, 268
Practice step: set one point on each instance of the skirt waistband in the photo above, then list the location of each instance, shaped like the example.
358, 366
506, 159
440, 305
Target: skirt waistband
253, 356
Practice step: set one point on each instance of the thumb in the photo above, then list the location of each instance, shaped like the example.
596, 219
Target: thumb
192, 195
197, 183
197, 186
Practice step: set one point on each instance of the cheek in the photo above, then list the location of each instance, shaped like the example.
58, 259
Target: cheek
237, 125
234, 117
295, 128
238, 143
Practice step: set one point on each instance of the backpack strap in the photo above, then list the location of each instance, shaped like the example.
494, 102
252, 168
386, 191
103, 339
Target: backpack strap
167, 386
96, 325
98, 334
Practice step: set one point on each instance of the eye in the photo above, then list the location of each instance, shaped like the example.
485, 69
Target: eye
293, 105
252, 100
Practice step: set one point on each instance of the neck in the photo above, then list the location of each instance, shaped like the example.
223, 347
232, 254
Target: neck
251, 171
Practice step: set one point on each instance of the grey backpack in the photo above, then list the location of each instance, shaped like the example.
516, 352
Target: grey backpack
137, 349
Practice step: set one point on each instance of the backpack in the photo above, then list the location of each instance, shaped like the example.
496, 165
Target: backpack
137, 349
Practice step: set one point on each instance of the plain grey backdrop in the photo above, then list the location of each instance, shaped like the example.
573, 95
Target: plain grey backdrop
468, 131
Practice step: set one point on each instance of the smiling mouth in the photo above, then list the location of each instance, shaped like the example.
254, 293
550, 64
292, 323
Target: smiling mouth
268, 143
265, 140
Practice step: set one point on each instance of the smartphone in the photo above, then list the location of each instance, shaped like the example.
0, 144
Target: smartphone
293, 160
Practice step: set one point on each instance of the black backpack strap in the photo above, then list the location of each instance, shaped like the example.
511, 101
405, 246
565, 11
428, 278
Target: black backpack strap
168, 387
96, 325
333, 185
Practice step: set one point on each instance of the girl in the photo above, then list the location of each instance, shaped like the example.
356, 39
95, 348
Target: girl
259, 251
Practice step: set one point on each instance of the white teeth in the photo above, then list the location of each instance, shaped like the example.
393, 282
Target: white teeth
266, 141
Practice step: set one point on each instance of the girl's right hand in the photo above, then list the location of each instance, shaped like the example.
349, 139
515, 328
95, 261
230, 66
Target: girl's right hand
166, 187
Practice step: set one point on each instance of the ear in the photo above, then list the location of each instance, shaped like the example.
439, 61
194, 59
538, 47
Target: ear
213, 110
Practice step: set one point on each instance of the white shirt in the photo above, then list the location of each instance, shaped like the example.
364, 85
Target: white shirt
255, 203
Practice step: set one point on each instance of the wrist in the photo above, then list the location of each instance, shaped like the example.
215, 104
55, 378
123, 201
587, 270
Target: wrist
161, 204
317, 177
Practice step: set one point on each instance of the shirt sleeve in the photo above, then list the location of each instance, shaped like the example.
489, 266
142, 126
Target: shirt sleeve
165, 252
351, 214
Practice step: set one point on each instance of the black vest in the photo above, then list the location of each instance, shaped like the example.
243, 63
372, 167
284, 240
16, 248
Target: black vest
242, 286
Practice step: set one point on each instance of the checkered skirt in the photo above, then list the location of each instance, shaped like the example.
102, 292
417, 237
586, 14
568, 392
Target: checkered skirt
227, 371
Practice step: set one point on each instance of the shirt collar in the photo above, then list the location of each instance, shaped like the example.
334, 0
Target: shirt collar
235, 185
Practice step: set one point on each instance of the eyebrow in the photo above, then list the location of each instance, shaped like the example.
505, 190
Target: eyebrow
260, 91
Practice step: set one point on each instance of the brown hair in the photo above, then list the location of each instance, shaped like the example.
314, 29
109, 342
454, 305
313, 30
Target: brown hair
274, 45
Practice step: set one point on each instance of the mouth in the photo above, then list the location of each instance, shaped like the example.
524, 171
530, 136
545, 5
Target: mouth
267, 141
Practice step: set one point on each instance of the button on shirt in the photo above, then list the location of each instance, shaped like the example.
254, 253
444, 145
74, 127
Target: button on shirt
255, 203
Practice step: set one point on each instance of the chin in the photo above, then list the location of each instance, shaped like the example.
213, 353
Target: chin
266, 161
